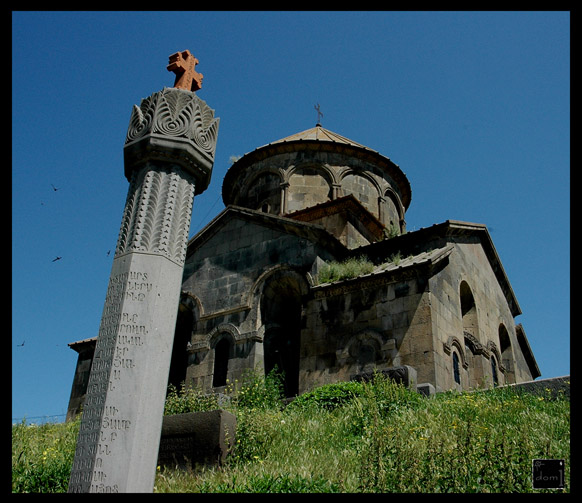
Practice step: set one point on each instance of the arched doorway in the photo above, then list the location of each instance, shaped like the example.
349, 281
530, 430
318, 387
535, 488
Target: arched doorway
281, 317
282, 352
183, 333
188, 315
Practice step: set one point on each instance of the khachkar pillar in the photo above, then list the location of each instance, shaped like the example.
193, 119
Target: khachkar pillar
168, 155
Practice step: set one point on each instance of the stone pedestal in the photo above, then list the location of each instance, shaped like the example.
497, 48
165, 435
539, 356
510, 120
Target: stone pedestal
169, 154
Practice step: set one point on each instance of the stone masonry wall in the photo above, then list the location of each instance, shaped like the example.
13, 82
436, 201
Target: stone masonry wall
226, 275
469, 264
358, 325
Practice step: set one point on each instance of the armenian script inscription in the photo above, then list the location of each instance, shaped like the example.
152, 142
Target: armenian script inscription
133, 343
122, 334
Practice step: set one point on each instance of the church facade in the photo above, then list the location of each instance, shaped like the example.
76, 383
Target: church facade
435, 300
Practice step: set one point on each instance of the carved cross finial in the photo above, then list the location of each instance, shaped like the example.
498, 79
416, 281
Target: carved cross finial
319, 114
183, 64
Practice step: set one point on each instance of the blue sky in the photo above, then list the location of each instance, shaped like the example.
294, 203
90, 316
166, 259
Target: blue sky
473, 106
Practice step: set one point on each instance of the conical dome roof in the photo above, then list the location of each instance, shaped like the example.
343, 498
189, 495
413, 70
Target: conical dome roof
318, 133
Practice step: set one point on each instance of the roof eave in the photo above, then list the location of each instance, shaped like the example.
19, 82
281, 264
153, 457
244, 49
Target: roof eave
451, 228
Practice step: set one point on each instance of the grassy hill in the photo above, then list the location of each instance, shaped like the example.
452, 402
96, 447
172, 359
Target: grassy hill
345, 437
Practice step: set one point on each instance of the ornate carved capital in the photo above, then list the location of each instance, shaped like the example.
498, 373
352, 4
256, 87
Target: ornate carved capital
173, 125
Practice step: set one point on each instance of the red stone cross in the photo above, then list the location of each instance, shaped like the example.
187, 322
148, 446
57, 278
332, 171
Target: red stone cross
183, 64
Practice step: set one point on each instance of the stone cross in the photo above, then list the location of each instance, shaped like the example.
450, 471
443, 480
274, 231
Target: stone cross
183, 64
319, 114
168, 157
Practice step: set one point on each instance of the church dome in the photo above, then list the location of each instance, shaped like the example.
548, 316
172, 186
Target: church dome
313, 167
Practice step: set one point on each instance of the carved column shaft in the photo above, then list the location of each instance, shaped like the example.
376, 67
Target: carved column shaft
157, 212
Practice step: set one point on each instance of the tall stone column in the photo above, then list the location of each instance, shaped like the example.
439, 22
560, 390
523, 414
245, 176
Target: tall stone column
168, 156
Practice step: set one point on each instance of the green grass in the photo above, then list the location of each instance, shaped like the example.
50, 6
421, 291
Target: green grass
42, 456
349, 268
350, 437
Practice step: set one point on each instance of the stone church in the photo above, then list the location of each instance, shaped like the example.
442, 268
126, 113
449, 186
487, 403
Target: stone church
436, 303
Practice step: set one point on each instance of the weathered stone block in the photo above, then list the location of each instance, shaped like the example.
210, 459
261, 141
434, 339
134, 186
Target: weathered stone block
426, 389
404, 374
196, 438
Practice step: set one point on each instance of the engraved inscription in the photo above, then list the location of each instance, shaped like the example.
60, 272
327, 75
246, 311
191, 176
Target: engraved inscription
121, 334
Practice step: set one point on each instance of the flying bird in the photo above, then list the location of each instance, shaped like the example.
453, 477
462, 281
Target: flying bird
20, 345
54, 188
57, 258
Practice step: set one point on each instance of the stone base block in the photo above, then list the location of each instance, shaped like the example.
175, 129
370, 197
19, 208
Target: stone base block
404, 374
196, 438
426, 389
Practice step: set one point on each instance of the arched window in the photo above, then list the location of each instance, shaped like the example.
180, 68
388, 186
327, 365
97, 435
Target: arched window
456, 371
280, 307
263, 188
506, 354
221, 354
468, 311
391, 216
494, 371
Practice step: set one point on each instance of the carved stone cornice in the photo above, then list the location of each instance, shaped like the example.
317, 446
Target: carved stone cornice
476, 346
203, 342
173, 125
